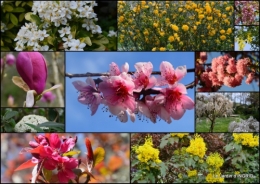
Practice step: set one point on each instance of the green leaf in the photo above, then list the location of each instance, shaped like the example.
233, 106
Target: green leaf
163, 169
8, 7
8, 127
17, 3
47, 174
10, 114
7, 17
13, 19
7, 40
228, 147
151, 177
21, 17
51, 124
35, 19
18, 10
163, 143
35, 127
12, 123
5, 49
28, 16
10, 26
10, 34
71, 153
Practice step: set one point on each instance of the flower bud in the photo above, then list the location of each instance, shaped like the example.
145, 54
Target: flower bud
48, 97
10, 59
32, 68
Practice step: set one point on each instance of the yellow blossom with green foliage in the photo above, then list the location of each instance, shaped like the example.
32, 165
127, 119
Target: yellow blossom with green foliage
197, 146
214, 178
146, 152
192, 173
185, 28
180, 135
246, 139
215, 160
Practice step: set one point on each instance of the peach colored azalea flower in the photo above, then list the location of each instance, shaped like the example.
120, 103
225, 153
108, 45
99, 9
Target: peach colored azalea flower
169, 75
89, 95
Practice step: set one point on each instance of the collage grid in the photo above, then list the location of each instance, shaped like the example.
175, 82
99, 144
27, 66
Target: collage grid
130, 92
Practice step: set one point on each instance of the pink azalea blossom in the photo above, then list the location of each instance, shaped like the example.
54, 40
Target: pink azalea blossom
169, 75
89, 95
250, 77
175, 100
242, 66
118, 93
143, 79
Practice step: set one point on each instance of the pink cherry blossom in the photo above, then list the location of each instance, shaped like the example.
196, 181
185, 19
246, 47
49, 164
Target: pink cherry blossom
89, 95
176, 102
169, 75
143, 78
118, 93
115, 71
242, 66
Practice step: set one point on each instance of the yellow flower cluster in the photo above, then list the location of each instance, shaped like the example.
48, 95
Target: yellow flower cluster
246, 139
162, 19
215, 160
146, 152
192, 173
180, 135
197, 146
214, 178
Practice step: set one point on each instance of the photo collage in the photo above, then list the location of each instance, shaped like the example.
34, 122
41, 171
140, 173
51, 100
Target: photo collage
130, 91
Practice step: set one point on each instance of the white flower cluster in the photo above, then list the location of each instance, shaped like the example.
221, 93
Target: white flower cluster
57, 13
112, 33
31, 119
250, 125
30, 35
215, 103
3, 27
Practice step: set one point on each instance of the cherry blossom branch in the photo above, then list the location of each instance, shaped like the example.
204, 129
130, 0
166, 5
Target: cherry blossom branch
89, 74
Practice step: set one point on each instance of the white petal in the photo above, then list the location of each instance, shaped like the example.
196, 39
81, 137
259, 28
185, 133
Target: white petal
34, 174
30, 98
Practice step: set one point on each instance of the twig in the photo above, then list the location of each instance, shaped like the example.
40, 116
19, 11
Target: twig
89, 74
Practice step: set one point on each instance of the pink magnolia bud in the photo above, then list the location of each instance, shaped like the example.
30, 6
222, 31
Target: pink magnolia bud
32, 68
10, 59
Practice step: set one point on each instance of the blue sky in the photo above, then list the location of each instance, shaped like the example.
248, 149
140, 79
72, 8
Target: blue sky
78, 118
243, 87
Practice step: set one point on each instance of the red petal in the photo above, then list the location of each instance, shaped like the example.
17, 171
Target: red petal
89, 148
25, 165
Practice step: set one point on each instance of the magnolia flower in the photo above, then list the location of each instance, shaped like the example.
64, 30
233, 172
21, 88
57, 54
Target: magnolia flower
89, 95
10, 59
32, 68
169, 75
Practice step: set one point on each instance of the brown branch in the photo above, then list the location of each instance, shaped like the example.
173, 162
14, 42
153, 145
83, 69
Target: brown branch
89, 74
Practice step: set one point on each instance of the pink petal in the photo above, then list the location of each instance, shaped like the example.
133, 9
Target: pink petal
152, 82
79, 85
178, 113
187, 102
180, 88
125, 67
165, 115
145, 111
91, 82
122, 116
55, 141
116, 109
114, 70
166, 69
180, 72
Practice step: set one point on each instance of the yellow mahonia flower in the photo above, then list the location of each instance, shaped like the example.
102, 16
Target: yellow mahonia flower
201, 16
154, 49
237, 173
215, 160
180, 135
197, 146
214, 178
146, 152
185, 28
192, 173
229, 31
246, 139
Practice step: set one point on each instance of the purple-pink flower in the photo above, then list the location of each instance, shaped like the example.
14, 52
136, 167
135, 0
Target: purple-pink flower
10, 59
32, 68
48, 97
89, 95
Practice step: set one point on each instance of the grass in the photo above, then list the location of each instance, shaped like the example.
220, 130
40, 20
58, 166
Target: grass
221, 124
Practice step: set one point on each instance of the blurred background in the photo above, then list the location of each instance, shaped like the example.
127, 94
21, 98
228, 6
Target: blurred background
13, 96
114, 168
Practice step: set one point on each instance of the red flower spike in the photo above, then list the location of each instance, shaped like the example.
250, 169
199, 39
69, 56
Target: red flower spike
90, 154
